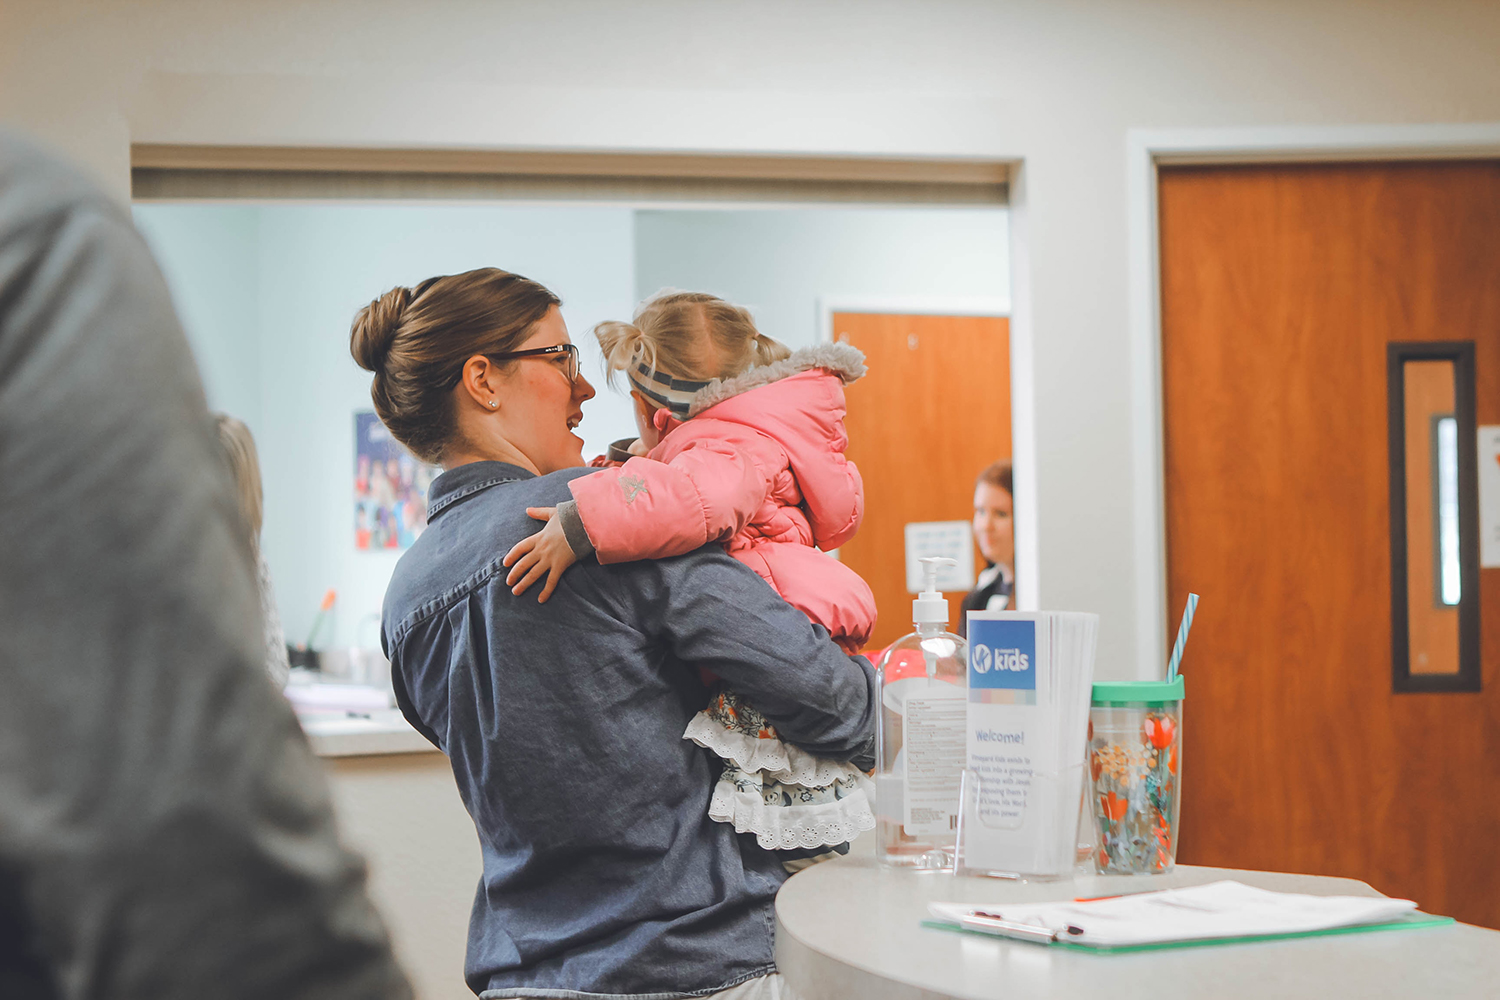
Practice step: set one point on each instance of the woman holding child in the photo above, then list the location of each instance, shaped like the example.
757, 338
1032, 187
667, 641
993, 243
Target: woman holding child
564, 719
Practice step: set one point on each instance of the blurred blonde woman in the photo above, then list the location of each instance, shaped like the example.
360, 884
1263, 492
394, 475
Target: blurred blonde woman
238, 447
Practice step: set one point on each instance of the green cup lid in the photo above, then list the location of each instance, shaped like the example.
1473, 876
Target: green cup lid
1114, 691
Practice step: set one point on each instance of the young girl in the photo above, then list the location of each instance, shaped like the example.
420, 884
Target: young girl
743, 444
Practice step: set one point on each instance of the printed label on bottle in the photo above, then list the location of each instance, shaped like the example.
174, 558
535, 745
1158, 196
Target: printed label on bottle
933, 743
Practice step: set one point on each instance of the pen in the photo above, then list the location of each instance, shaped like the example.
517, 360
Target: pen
1118, 895
993, 923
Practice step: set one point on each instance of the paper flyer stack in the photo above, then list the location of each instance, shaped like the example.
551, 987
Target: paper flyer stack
1030, 680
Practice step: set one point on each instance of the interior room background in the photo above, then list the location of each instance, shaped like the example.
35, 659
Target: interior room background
267, 292
1053, 87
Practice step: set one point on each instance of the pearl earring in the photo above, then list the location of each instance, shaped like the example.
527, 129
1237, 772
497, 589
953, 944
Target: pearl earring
493, 403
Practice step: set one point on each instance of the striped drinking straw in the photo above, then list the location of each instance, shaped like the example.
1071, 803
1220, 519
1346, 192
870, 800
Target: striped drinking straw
1182, 634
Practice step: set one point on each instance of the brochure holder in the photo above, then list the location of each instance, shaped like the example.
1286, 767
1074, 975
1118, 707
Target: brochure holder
1054, 800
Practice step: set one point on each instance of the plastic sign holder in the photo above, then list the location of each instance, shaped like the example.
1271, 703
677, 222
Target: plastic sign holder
986, 833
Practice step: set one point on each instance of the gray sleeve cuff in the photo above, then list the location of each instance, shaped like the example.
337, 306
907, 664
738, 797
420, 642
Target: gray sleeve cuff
865, 758
573, 531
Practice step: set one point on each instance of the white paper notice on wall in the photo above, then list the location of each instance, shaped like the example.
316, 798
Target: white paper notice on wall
1489, 496
940, 538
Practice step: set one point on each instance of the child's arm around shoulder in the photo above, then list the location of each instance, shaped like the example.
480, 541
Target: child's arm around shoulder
562, 540
711, 478
548, 553
712, 482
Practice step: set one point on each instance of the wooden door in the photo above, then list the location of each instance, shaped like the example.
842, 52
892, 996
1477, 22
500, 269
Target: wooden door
933, 411
1281, 286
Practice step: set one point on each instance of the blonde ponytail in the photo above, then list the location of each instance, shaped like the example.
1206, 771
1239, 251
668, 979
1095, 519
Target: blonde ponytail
768, 350
692, 336
624, 346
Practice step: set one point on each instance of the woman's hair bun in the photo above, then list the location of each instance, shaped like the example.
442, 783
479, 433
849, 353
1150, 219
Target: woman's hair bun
375, 328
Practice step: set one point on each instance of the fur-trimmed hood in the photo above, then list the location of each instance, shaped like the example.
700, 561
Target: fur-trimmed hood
843, 360
795, 411
762, 468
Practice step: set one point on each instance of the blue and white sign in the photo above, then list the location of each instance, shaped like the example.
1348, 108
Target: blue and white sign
1030, 676
1002, 654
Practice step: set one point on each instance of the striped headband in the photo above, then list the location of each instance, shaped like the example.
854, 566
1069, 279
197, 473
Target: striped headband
673, 393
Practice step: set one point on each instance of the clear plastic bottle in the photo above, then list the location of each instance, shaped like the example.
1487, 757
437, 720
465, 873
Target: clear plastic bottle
923, 688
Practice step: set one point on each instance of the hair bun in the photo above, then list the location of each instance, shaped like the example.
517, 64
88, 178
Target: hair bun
375, 328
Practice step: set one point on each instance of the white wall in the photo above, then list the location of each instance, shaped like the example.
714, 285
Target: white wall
267, 295
779, 264
1055, 85
211, 259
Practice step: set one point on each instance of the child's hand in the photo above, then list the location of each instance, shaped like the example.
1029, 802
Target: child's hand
546, 553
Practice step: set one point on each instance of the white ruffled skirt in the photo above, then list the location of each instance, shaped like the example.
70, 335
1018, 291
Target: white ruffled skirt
785, 796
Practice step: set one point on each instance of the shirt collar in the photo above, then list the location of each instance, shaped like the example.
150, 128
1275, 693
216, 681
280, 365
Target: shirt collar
464, 481
990, 572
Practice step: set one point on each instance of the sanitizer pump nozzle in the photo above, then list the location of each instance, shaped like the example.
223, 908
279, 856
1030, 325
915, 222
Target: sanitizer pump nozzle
931, 607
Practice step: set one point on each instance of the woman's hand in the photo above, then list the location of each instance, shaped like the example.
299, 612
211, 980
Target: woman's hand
546, 553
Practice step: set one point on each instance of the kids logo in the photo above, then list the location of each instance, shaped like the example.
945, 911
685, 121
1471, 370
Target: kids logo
1002, 654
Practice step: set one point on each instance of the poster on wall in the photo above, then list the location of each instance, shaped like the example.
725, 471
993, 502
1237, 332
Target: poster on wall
390, 488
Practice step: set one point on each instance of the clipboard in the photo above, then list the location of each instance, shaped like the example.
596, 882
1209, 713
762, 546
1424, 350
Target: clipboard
990, 926
1223, 912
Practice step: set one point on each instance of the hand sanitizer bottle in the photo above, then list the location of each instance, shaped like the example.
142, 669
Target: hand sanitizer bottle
922, 683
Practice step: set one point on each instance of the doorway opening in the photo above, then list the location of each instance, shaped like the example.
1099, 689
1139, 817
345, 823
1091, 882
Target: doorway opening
936, 405
269, 252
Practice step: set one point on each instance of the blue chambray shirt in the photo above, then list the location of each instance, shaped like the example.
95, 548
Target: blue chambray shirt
603, 875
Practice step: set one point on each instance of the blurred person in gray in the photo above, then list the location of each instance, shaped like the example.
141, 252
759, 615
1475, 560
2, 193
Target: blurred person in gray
165, 831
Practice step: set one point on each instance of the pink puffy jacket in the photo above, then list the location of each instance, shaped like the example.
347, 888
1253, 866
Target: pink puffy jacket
758, 465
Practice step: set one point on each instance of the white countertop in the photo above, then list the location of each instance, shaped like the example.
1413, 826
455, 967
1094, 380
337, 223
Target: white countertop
384, 731
851, 929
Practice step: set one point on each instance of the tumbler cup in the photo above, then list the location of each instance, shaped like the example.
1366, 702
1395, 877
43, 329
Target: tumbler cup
1135, 775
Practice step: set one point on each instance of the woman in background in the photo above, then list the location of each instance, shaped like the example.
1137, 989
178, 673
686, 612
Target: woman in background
994, 531
238, 447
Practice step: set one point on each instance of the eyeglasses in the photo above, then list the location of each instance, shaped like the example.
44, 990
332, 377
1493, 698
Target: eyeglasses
570, 350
